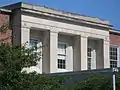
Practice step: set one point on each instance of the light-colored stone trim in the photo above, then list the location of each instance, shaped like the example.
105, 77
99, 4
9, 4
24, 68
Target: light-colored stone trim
84, 46
25, 36
89, 22
62, 13
62, 29
106, 47
53, 51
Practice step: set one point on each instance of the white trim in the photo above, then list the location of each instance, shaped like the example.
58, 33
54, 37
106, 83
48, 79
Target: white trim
118, 57
93, 57
39, 63
93, 62
59, 69
118, 54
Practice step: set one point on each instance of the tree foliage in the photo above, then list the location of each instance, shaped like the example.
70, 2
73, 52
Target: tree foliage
16, 57
13, 59
13, 80
97, 83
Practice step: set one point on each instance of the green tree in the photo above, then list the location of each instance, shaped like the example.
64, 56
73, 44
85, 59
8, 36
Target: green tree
16, 57
13, 59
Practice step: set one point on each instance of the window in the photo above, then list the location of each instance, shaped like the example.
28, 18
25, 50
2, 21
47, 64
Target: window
33, 43
61, 56
37, 47
113, 56
89, 58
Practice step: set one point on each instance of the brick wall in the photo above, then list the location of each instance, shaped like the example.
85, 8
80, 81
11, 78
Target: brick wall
115, 38
7, 35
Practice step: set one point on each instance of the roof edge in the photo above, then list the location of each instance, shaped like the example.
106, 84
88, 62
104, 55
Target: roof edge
12, 6
60, 12
5, 11
37, 8
115, 31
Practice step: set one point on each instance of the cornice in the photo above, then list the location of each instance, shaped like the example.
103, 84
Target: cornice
5, 11
67, 18
73, 17
115, 31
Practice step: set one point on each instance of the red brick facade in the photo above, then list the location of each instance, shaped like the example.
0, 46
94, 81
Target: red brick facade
114, 38
5, 36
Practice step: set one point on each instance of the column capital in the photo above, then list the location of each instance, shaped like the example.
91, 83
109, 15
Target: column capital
25, 25
83, 36
53, 33
106, 42
53, 29
106, 39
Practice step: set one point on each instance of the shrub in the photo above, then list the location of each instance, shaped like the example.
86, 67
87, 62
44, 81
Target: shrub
12, 80
95, 83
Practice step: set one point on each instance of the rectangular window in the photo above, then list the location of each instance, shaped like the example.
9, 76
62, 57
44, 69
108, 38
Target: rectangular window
37, 45
89, 58
61, 56
113, 56
33, 43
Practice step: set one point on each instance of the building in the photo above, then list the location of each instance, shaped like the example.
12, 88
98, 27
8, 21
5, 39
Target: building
70, 42
114, 48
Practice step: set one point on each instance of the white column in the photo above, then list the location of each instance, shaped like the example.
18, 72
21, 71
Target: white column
76, 54
84, 47
46, 52
93, 61
53, 51
25, 36
69, 58
106, 54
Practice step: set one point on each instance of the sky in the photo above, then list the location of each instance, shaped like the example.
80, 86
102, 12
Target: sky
104, 9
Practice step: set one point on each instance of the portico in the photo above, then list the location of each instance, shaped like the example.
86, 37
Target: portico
70, 42
76, 49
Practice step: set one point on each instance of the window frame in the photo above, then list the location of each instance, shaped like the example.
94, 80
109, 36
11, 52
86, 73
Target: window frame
64, 66
89, 57
39, 44
118, 55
